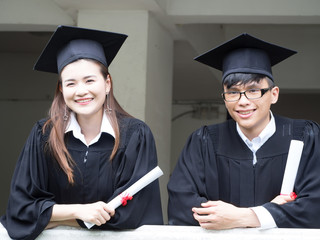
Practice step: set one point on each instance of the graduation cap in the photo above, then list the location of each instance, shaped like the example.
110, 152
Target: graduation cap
68, 44
245, 54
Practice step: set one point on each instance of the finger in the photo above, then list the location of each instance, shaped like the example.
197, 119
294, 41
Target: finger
97, 222
195, 216
106, 217
202, 218
285, 195
278, 200
282, 199
204, 223
100, 217
203, 210
209, 204
289, 197
198, 218
109, 210
207, 225
286, 198
112, 213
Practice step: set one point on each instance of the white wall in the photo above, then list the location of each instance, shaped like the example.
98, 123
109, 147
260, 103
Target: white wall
128, 69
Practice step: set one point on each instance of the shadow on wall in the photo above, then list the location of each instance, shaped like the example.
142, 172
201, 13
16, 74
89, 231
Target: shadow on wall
300, 106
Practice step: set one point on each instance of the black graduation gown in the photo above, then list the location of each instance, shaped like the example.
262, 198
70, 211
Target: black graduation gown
39, 183
216, 164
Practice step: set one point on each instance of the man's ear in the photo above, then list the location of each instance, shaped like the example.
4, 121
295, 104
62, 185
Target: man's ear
275, 94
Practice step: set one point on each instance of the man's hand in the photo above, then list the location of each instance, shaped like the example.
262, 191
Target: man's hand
282, 199
221, 215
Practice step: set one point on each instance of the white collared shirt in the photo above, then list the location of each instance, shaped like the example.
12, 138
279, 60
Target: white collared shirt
74, 126
265, 218
257, 142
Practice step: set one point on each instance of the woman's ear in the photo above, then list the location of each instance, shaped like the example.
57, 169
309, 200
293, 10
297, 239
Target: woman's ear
108, 84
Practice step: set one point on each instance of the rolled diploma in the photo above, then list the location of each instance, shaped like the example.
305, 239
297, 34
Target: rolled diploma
293, 160
133, 189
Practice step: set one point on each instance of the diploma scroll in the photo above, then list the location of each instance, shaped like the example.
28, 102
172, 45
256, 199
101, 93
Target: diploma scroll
290, 173
132, 190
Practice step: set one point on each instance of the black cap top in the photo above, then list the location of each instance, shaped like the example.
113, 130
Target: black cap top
68, 44
245, 54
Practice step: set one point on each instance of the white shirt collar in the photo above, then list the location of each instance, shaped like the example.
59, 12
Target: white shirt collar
257, 142
266, 133
74, 126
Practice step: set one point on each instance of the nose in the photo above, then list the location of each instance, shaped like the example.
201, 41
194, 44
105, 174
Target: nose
243, 99
81, 89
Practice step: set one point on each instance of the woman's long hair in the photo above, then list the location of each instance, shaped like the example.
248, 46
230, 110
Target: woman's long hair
56, 143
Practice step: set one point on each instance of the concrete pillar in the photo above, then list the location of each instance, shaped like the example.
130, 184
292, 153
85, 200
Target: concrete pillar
31, 15
142, 74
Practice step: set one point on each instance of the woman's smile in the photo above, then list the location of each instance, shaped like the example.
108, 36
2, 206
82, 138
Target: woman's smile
84, 88
84, 101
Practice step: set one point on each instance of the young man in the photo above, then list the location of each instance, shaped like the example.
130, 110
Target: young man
230, 174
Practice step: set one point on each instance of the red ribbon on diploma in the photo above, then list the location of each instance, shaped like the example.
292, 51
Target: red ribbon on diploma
125, 198
293, 195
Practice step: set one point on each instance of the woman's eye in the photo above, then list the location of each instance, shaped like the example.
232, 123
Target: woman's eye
69, 84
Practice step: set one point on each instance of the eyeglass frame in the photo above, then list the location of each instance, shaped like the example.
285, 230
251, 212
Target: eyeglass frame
262, 90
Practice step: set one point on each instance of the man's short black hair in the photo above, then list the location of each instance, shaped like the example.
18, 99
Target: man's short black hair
244, 78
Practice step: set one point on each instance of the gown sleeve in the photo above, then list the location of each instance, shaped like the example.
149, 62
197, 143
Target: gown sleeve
30, 205
304, 211
136, 159
186, 186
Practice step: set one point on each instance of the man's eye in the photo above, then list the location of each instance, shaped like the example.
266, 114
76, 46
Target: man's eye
233, 93
254, 90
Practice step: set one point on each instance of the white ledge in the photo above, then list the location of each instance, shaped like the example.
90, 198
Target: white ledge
157, 232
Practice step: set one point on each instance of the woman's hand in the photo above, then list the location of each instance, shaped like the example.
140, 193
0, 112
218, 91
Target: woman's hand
97, 213
222, 215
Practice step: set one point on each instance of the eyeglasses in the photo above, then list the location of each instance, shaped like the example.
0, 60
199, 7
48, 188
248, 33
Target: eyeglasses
234, 96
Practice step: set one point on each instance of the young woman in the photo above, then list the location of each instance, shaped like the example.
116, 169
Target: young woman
87, 152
